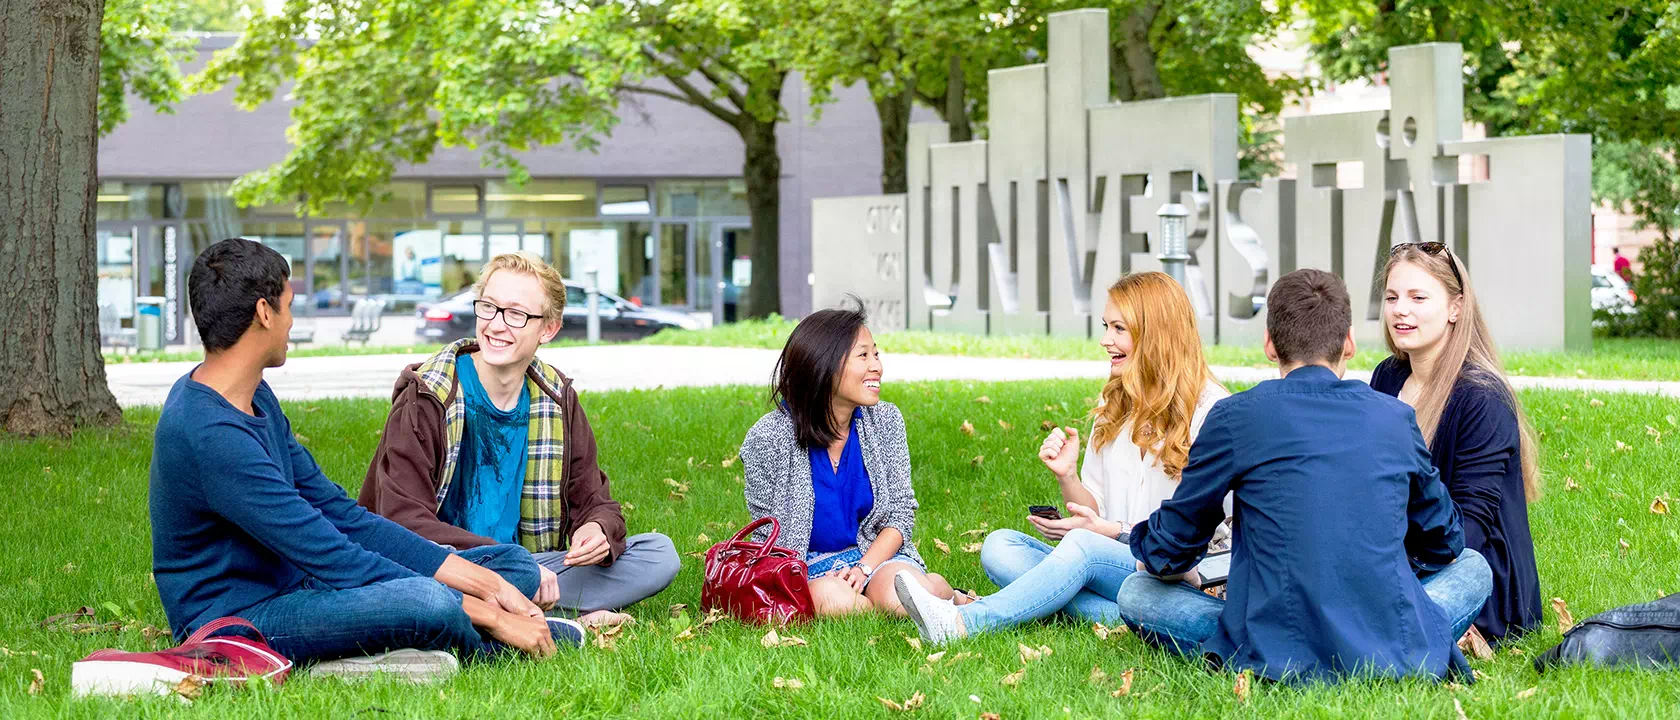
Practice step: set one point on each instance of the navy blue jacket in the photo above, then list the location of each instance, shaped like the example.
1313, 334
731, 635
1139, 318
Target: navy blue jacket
1477, 448
1337, 507
241, 513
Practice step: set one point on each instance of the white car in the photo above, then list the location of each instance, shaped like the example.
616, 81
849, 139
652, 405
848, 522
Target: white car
1610, 292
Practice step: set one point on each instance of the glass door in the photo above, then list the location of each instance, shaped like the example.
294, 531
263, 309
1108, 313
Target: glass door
325, 290
676, 267
731, 269
117, 261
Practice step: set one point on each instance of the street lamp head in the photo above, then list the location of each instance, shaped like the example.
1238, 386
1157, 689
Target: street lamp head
1175, 242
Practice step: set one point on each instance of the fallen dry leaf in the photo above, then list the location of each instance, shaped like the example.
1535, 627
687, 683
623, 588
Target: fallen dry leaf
964, 655
686, 634
770, 639
1623, 447
605, 641
1570, 484
913, 642
1097, 676
677, 496
1526, 694
1241, 687
1595, 402
1672, 421
40, 681
1014, 678
1565, 619
973, 533
942, 546
983, 400
703, 539
1029, 654
1474, 645
677, 608
967, 428
1623, 544
972, 547
936, 657
730, 461
627, 505
1659, 506
978, 459
1005, 426
915, 700
190, 687
891, 704
1459, 708
1125, 683
1047, 426
681, 487
990, 716
1515, 651
793, 641
782, 683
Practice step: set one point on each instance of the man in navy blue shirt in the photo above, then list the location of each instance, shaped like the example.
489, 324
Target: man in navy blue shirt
1338, 510
244, 523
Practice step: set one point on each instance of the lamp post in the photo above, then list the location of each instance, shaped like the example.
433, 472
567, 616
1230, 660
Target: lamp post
593, 293
1175, 243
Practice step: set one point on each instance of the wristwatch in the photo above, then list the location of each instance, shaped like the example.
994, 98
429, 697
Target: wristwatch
867, 570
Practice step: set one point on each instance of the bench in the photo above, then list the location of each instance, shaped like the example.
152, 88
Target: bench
365, 318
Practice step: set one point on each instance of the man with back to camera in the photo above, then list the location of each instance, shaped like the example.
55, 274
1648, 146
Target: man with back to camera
1338, 509
245, 523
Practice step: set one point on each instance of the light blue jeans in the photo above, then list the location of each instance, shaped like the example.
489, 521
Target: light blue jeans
1079, 576
1178, 617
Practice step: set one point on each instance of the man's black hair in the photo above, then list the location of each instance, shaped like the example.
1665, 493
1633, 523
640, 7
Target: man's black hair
809, 368
224, 285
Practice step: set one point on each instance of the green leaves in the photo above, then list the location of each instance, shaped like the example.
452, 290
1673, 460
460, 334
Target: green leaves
139, 54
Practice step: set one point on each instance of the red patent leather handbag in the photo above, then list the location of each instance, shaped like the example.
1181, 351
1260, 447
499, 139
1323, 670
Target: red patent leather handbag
757, 582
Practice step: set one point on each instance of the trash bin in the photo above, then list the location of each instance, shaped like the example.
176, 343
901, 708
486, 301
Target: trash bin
148, 322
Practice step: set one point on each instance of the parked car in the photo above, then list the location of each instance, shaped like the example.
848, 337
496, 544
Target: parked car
1610, 292
452, 318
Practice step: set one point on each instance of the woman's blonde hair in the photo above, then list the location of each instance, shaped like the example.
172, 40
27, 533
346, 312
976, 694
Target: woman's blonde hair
1158, 387
1467, 353
554, 286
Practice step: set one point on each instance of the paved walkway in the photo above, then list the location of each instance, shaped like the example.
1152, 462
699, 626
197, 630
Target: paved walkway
616, 367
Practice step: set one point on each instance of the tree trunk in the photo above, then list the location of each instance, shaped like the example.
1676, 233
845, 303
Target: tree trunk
894, 113
763, 173
1120, 74
1139, 54
54, 375
956, 102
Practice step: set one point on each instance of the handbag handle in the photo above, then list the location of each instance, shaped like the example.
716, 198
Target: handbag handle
775, 530
214, 626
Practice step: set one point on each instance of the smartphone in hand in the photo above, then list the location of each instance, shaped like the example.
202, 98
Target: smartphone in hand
1048, 512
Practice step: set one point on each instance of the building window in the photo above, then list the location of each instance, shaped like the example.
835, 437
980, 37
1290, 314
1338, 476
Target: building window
625, 200
703, 198
540, 199
456, 200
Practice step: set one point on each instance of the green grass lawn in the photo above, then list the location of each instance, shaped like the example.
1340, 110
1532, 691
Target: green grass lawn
77, 535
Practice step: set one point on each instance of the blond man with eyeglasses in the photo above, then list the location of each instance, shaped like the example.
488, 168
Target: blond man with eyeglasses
487, 444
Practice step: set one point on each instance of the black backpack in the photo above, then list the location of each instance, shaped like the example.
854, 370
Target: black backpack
1645, 636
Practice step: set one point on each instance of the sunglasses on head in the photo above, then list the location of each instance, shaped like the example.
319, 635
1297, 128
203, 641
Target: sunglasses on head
1436, 248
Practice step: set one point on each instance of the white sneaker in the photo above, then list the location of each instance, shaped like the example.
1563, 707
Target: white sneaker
936, 619
411, 664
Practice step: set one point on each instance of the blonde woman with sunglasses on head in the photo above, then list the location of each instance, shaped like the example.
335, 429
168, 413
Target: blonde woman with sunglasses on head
1444, 365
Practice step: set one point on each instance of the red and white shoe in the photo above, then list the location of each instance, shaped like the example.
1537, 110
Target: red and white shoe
220, 659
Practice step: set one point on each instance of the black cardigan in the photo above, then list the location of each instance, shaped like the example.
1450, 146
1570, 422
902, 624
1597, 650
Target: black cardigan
1477, 449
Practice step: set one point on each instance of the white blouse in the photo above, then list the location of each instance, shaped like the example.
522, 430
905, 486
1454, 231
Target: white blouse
1129, 485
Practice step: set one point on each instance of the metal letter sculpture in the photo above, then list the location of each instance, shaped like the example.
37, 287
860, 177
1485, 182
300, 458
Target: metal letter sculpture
1024, 232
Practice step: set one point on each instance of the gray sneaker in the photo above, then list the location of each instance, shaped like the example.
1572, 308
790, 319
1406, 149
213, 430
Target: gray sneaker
413, 665
936, 619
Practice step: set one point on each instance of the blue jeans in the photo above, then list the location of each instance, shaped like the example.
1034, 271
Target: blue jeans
1079, 576
1178, 617
316, 622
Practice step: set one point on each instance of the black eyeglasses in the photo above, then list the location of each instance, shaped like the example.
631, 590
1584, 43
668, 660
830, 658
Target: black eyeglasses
486, 310
1436, 248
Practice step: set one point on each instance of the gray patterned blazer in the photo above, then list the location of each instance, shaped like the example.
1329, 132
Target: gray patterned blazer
779, 478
